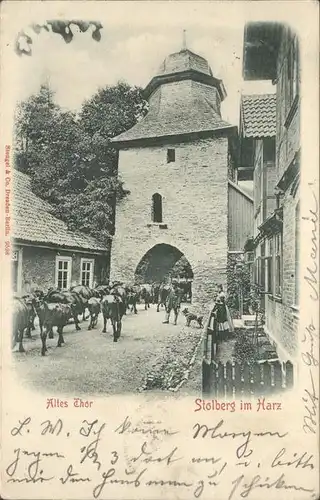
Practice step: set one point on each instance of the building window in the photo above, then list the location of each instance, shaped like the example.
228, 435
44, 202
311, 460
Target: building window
87, 272
278, 264
171, 155
249, 257
297, 255
269, 267
156, 207
63, 272
258, 271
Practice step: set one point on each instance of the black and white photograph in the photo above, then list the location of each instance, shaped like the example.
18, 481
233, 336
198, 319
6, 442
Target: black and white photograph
161, 235
156, 217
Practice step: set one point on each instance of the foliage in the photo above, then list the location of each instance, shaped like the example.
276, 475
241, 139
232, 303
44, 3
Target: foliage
69, 157
239, 285
182, 268
64, 28
244, 349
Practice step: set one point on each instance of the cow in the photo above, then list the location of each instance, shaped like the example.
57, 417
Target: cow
163, 294
94, 310
146, 295
21, 316
85, 293
64, 297
30, 300
54, 315
119, 290
41, 312
101, 290
132, 296
112, 308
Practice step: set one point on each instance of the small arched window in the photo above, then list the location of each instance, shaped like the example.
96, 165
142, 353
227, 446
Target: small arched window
156, 207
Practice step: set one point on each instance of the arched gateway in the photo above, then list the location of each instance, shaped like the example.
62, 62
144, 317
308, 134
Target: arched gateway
175, 164
162, 263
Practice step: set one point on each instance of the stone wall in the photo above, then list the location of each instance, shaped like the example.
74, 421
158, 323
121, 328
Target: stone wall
194, 192
38, 267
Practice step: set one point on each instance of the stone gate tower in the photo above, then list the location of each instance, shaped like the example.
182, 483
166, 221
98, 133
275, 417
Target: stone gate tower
175, 162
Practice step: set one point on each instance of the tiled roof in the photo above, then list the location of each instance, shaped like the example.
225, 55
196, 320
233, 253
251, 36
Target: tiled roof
32, 221
183, 100
258, 114
195, 114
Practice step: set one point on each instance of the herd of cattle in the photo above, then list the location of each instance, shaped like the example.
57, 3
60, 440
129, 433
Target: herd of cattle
56, 308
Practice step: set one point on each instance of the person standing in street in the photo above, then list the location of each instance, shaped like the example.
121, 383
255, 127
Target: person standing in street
173, 302
223, 316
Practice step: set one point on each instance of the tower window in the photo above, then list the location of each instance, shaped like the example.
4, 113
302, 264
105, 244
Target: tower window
171, 155
156, 207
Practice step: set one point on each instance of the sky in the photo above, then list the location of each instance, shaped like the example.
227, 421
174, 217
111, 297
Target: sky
133, 52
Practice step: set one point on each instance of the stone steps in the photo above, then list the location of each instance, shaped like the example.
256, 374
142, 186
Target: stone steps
248, 321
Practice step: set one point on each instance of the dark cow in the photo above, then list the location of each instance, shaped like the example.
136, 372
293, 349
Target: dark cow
54, 315
94, 310
21, 320
119, 290
112, 308
85, 293
101, 290
33, 299
132, 296
163, 294
71, 298
30, 300
146, 295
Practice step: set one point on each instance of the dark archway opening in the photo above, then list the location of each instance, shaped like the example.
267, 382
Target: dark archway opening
162, 264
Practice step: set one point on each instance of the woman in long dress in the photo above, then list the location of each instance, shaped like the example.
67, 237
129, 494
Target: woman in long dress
224, 320
221, 316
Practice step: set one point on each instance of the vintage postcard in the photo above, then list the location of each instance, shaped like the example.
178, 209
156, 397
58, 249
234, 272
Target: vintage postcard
159, 250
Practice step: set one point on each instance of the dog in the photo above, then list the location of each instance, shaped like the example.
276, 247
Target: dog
192, 317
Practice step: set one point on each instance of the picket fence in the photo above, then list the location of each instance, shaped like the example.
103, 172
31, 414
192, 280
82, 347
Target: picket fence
234, 379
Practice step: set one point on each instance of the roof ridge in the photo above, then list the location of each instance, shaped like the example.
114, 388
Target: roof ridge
269, 94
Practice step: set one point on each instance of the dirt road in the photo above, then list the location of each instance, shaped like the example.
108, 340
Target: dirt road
149, 356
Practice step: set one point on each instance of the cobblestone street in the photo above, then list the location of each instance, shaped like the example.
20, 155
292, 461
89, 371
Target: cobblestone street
149, 355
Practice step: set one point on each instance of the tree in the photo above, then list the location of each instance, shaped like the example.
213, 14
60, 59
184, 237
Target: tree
65, 29
182, 268
239, 286
69, 157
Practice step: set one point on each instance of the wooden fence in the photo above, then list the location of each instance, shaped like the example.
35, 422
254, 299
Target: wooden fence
233, 379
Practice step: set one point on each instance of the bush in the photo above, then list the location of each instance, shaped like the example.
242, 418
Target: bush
244, 350
238, 277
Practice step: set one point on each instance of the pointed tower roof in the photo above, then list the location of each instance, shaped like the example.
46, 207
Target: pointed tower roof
184, 65
193, 107
183, 61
